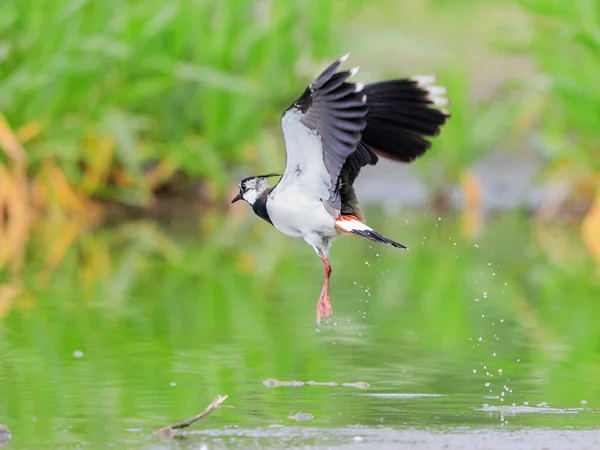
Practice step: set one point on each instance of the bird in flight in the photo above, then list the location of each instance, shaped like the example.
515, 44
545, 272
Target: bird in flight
331, 131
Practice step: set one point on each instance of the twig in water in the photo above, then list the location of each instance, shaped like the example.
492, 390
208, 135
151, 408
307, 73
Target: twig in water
168, 431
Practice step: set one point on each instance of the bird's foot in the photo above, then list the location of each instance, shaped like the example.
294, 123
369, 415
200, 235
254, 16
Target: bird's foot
323, 310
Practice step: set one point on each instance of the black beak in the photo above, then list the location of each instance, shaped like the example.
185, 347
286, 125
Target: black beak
236, 198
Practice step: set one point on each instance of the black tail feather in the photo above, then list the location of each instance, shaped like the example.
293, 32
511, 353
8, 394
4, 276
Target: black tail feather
400, 117
375, 236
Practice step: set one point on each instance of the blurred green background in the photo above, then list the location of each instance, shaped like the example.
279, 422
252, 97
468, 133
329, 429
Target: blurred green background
131, 293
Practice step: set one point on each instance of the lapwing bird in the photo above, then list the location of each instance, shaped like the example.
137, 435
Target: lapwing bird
334, 129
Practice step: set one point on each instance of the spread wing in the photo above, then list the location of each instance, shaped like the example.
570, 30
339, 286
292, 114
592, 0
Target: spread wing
321, 129
335, 128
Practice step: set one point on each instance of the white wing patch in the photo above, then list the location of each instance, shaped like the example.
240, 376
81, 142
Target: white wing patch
305, 168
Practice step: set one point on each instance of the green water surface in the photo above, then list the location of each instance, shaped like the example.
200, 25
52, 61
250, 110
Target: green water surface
144, 322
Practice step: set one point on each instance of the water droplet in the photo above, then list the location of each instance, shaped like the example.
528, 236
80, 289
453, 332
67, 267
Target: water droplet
173, 384
474, 371
78, 354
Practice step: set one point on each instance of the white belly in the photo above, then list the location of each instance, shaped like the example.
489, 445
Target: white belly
296, 215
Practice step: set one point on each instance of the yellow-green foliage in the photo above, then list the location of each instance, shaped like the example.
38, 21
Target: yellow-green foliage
566, 46
114, 84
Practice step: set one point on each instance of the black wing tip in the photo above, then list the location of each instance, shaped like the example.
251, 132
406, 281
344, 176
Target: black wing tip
330, 71
329, 81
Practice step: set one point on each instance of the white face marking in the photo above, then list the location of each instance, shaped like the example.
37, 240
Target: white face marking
250, 196
252, 188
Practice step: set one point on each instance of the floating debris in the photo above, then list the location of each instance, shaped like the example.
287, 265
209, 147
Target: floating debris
276, 383
4, 434
302, 417
525, 409
357, 385
393, 395
169, 431
270, 383
324, 383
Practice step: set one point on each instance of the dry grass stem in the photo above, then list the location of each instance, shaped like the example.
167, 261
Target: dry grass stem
168, 431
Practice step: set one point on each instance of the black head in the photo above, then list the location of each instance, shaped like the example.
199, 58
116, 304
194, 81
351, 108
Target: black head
251, 188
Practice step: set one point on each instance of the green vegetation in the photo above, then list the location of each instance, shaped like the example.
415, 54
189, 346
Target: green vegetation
119, 98
103, 87
106, 102
566, 46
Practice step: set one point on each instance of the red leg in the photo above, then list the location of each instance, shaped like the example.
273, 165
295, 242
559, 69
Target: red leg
324, 305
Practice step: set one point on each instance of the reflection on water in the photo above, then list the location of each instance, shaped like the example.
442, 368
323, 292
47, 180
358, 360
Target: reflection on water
142, 325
